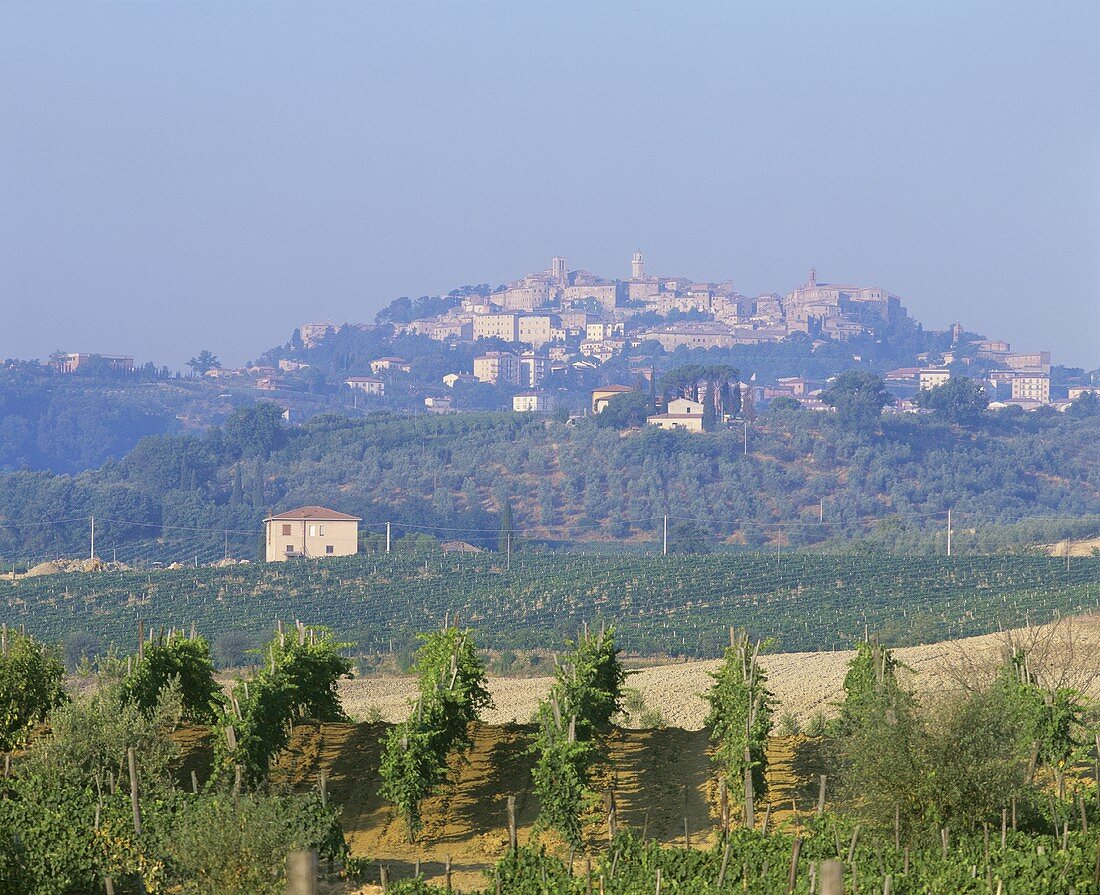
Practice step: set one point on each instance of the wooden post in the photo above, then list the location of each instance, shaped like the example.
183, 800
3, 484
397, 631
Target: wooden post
821, 796
612, 815
512, 839
323, 782
134, 803
725, 864
750, 813
384, 877
724, 805
194, 782
447, 873
657, 890
1004, 828
301, 873
832, 878
687, 836
767, 818
792, 874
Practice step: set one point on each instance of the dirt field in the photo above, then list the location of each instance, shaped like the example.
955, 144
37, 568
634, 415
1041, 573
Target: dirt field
803, 683
662, 778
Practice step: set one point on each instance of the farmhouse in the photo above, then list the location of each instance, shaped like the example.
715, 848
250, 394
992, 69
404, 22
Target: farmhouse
309, 532
601, 396
683, 413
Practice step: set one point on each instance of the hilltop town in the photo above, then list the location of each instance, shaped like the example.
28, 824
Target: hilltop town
551, 337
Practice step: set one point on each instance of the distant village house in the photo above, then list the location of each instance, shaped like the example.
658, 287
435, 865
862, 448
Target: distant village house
310, 532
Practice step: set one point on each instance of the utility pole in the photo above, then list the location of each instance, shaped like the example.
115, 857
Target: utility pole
664, 540
91, 554
949, 532
387, 537
821, 510
746, 422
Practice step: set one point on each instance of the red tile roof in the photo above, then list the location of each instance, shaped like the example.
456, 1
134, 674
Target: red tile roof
322, 514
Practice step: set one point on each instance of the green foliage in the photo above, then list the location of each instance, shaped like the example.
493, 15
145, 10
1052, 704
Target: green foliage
811, 601
740, 715
1049, 720
872, 690
959, 400
452, 693
858, 397
254, 431
626, 411
298, 682
31, 684
587, 691
66, 820
238, 845
203, 362
954, 764
175, 657
51, 801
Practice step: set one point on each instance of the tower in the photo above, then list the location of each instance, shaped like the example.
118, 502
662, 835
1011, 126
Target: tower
637, 267
813, 277
557, 269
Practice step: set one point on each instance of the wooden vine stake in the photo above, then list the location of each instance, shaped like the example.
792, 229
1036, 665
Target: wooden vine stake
792, 874
131, 758
512, 838
301, 873
832, 878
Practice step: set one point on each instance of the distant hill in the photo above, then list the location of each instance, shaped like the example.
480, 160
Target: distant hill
1010, 479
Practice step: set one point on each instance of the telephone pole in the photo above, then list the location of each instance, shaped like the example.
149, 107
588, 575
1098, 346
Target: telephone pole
949, 532
91, 553
746, 422
387, 537
664, 539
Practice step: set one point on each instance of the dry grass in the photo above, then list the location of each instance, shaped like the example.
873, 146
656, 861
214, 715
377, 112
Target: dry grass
1066, 653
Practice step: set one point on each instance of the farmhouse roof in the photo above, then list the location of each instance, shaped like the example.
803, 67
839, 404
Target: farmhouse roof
321, 514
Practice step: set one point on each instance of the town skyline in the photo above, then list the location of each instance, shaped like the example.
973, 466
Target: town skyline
158, 200
682, 285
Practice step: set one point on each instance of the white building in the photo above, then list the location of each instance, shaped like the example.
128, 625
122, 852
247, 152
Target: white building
367, 384
681, 413
532, 402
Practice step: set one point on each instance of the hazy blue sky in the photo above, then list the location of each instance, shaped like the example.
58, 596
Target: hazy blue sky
181, 176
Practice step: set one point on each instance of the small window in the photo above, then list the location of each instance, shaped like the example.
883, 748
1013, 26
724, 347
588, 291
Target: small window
321, 530
313, 531
329, 548
289, 548
286, 531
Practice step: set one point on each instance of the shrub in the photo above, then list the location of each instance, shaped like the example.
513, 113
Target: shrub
452, 694
31, 677
175, 657
740, 715
587, 691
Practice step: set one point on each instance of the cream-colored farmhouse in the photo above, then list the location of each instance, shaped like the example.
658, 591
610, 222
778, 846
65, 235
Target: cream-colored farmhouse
309, 532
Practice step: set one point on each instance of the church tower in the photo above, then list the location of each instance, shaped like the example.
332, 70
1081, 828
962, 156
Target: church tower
637, 267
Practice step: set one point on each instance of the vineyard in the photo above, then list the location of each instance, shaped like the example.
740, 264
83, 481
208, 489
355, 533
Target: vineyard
675, 605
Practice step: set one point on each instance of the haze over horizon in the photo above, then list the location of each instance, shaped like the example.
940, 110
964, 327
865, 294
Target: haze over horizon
183, 176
